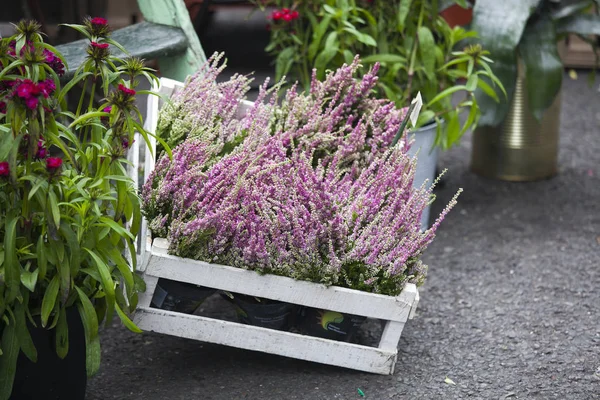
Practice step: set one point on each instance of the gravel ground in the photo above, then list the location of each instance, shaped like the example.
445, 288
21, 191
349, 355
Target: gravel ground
511, 307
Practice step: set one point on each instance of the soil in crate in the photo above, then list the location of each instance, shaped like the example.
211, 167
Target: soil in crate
179, 296
329, 324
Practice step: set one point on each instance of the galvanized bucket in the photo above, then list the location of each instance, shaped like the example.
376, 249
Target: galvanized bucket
521, 148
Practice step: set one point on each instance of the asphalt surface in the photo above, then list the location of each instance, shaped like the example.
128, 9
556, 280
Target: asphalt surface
510, 310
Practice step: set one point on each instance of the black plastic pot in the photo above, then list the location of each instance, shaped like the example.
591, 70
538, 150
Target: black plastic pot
179, 296
329, 324
52, 378
266, 314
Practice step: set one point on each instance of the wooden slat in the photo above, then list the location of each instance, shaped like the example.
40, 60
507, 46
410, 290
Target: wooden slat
280, 288
145, 40
309, 348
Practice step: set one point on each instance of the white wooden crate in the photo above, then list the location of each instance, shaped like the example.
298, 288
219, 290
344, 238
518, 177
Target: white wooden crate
156, 263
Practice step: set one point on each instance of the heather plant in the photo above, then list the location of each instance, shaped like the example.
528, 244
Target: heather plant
69, 211
314, 192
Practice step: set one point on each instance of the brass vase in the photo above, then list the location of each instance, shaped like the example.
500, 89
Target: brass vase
521, 148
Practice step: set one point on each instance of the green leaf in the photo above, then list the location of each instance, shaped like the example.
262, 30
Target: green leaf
62, 334
543, 65
500, 25
49, 299
317, 37
92, 341
329, 52
427, 50
487, 89
29, 279
284, 62
384, 58
12, 267
53, 205
108, 284
6, 144
25, 341
472, 83
8, 360
42, 260
403, 10
445, 93
126, 321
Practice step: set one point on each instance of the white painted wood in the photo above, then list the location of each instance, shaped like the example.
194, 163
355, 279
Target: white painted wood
146, 297
413, 309
391, 335
280, 288
286, 344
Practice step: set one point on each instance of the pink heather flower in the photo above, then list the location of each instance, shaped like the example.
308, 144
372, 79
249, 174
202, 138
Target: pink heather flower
126, 90
4, 169
53, 163
99, 21
32, 103
99, 45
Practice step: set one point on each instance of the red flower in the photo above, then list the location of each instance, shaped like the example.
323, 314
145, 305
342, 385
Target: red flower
285, 10
32, 103
46, 87
276, 15
126, 90
295, 14
99, 21
4, 169
2, 107
42, 152
27, 89
99, 45
287, 17
53, 163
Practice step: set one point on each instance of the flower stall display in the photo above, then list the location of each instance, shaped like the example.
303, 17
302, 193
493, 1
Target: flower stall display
69, 210
302, 201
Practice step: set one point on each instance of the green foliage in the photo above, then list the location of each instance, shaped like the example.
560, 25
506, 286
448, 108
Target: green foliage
416, 48
67, 204
527, 33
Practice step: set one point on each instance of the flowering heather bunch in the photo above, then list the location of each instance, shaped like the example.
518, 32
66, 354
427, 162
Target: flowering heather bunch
205, 108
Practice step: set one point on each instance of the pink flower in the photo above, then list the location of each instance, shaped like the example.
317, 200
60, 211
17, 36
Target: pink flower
126, 90
294, 14
53, 163
4, 169
46, 87
2, 107
42, 152
287, 17
99, 21
32, 103
27, 89
285, 10
276, 15
99, 45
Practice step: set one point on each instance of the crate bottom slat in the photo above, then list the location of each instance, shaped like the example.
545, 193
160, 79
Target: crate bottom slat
302, 347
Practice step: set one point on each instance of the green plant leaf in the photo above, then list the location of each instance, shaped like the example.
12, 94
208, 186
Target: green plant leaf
472, 83
500, 25
403, 10
92, 341
53, 206
384, 58
126, 321
61, 334
8, 360
427, 50
108, 284
29, 279
543, 65
284, 62
49, 299
12, 267
25, 341
445, 93
318, 33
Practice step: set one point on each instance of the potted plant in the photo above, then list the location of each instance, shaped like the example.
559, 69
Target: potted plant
417, 49
69, 212
310, 188
518, 139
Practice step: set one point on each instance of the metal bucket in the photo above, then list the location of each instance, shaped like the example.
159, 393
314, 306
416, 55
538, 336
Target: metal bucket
424, 145
521, 148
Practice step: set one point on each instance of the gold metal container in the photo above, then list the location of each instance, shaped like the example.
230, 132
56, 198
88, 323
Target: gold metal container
521, 148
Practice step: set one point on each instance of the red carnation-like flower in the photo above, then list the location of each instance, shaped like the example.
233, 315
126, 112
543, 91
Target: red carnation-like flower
53, 163
99, 21
26, 89
2, 107
276, 15
295, 14
32, 103
126, 90
42, 152
46, 87
287, 17
99, 45
4, 169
